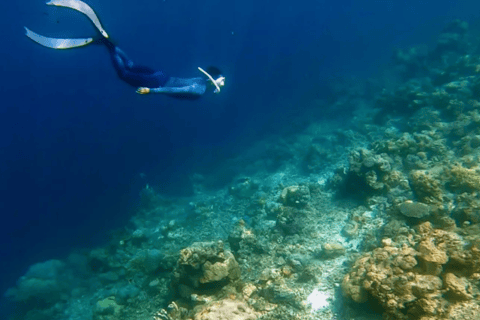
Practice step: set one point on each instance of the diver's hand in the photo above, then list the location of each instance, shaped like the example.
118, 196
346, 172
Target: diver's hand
143, 90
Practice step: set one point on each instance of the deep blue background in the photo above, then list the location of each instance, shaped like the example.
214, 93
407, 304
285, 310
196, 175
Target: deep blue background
74, 138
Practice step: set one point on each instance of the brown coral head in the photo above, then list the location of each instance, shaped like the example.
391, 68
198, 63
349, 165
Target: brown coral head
415, 209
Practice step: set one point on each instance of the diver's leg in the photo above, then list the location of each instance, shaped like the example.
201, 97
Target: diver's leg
126, 60
137, 76
128, 71
120, 64
119, 57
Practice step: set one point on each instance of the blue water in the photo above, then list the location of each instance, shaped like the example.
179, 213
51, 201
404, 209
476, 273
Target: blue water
74, 138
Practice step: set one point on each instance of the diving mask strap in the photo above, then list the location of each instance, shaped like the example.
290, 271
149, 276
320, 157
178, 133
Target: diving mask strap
217, 90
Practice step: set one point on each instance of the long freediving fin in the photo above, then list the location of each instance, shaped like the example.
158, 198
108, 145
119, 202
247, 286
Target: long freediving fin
83, 8
57, 43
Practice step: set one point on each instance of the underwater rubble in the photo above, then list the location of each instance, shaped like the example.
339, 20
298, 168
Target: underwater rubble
374, 218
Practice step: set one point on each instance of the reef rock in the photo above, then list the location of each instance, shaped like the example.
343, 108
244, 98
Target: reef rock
410, 280
203, 264
226, 309
414, 209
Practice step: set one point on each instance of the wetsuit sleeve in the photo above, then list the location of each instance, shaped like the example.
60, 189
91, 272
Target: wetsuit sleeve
192, 91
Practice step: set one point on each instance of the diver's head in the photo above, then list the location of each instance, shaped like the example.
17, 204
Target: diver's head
214, 72
215, 77
218, 83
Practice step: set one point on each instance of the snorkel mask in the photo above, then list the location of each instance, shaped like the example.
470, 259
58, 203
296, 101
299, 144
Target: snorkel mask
218, 83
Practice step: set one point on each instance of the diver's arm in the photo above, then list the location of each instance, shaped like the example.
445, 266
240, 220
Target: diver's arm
191, 90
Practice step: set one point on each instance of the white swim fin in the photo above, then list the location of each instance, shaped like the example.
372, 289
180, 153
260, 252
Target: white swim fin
56, 43
83, 8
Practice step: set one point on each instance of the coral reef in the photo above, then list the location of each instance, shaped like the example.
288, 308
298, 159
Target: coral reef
425, 277
204, 267
414, 209
226, 309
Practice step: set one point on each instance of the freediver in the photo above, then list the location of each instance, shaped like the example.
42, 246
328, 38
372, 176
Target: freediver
145, 79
